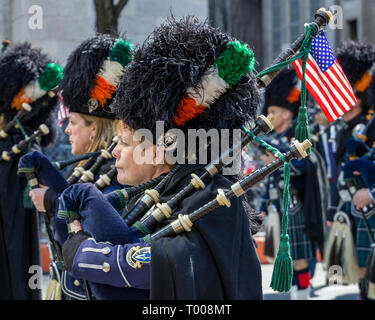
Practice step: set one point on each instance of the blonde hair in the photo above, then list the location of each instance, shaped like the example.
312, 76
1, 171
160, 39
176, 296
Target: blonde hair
104, 133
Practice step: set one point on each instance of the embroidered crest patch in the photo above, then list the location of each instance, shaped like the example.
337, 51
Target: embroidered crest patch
137, 256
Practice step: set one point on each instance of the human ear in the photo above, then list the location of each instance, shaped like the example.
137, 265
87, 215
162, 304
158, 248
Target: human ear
94, 128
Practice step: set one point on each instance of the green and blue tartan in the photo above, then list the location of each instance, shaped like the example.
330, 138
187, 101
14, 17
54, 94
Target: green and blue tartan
363, 241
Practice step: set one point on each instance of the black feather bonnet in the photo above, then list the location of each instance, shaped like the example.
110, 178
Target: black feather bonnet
28, 75
191, 76
356, 59
283, 92
92, 73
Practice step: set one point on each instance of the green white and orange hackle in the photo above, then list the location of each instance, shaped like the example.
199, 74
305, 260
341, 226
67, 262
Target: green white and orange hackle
110, 73
227, 70
48, 79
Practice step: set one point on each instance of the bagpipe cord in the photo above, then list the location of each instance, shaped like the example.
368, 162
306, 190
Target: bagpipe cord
282, 274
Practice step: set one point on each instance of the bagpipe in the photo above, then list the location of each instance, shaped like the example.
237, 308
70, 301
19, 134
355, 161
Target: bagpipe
103, 180
322, 18
25, 113
163, 211
21, 145
39, 170
48, 173
64, 163
118, 198
185, 222
100, 219
18, 122
15, 121
87, 172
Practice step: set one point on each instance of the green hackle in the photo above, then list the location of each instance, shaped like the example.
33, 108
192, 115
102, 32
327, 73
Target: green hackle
50, 77
121, 52
234, 62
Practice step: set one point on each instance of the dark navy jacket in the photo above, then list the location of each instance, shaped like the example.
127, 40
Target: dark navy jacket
216, 260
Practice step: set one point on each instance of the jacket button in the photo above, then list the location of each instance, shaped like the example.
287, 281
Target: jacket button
106, 267
106, 250
76, 283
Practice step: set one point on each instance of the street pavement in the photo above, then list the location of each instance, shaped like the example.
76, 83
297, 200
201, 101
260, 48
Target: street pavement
320, 291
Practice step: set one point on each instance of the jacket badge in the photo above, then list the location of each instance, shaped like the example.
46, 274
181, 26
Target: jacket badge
137, 256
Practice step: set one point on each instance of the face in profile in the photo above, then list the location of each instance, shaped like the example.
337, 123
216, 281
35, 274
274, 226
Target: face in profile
134, 165
282, 117
79, 133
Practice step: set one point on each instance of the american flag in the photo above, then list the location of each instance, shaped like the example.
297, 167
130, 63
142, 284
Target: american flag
325, 79
63, 112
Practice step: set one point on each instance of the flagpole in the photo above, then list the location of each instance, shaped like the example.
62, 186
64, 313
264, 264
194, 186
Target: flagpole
322, 18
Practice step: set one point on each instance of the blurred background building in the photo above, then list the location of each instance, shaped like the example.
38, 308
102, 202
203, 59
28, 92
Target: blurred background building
283, 21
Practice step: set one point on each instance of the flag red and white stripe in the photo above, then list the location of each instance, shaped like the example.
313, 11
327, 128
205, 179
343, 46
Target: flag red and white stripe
62, 113
326, 81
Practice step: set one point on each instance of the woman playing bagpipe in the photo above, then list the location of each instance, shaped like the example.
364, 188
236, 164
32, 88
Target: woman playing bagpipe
186, 76
27, 103
92, 74
217, 259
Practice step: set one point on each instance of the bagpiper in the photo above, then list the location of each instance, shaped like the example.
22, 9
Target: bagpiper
356, 59
91, 77
186, 76
27, 103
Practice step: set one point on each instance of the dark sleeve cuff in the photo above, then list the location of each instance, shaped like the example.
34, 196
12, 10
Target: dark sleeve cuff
50, 198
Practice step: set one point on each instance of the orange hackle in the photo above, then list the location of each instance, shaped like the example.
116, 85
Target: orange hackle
20, 98
293, 95
187, 109
102, 90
